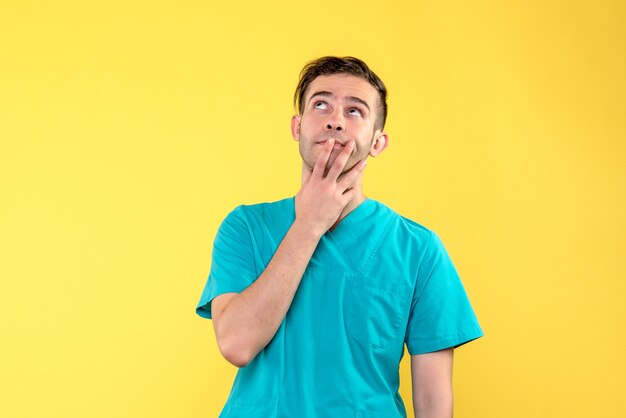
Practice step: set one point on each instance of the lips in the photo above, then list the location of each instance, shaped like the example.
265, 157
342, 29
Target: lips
337, 142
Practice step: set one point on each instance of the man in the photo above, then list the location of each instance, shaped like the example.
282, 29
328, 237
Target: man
313, 297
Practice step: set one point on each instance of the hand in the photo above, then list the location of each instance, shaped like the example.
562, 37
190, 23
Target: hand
322, 198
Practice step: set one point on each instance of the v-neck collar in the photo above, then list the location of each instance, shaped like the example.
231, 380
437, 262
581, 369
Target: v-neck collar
364, 210
350, 245
356, 215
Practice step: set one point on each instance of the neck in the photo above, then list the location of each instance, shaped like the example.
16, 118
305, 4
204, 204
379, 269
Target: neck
352, 204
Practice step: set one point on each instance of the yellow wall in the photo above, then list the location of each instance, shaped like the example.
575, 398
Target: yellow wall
129, 129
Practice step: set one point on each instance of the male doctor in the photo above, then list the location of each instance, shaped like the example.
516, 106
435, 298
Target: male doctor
313, 297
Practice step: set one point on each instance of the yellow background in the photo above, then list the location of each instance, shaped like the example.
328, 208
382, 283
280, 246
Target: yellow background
129, 129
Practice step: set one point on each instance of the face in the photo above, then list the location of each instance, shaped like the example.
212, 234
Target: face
343, 107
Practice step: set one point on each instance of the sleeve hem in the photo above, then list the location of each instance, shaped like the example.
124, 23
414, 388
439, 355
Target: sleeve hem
204, 306
420, 346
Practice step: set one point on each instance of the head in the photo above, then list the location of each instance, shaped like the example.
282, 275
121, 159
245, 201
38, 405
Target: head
339, 98
341, 65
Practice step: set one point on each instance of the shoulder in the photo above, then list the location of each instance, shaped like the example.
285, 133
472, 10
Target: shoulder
267, 217
282, 207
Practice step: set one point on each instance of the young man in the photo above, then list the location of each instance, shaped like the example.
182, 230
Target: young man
314, 296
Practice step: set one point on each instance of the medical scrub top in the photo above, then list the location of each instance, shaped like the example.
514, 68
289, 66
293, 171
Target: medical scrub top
374, 283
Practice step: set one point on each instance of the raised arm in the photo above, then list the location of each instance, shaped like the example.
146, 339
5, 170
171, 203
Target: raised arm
245, 322
431, 375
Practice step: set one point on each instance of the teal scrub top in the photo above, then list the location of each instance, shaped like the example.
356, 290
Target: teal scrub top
376, 282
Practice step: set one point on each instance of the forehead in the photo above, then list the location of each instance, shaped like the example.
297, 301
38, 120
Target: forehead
343, 85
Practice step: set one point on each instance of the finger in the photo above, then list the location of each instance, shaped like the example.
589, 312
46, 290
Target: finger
340, 161
348, 195
322, 159
348, 179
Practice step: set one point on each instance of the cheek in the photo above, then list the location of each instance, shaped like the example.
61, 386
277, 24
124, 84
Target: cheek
305, 127
365, 145
314, 119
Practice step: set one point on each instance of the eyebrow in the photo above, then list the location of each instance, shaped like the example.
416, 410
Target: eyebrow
324, 93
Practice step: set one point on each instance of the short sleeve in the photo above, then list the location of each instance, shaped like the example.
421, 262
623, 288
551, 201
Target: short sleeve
441, 315
232, 265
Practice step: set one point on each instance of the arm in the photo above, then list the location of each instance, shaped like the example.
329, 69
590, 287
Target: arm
431, 375
245, 322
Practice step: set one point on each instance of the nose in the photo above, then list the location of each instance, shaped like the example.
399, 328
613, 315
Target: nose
335, 123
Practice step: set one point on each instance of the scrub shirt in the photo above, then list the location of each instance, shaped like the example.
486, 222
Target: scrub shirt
376, 282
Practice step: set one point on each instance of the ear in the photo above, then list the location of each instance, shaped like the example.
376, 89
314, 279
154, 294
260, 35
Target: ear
380, 142
295, 127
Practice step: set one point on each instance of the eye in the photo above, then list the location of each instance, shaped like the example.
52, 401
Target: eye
354, 111
320, 104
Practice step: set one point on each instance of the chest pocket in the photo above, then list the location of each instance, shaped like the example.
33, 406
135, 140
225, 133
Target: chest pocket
376, 309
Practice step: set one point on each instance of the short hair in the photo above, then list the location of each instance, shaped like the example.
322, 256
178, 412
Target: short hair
341, 65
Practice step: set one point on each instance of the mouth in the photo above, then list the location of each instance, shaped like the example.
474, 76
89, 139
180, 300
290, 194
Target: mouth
338, 143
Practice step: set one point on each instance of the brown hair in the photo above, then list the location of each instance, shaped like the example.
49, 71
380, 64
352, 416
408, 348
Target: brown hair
341, 65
